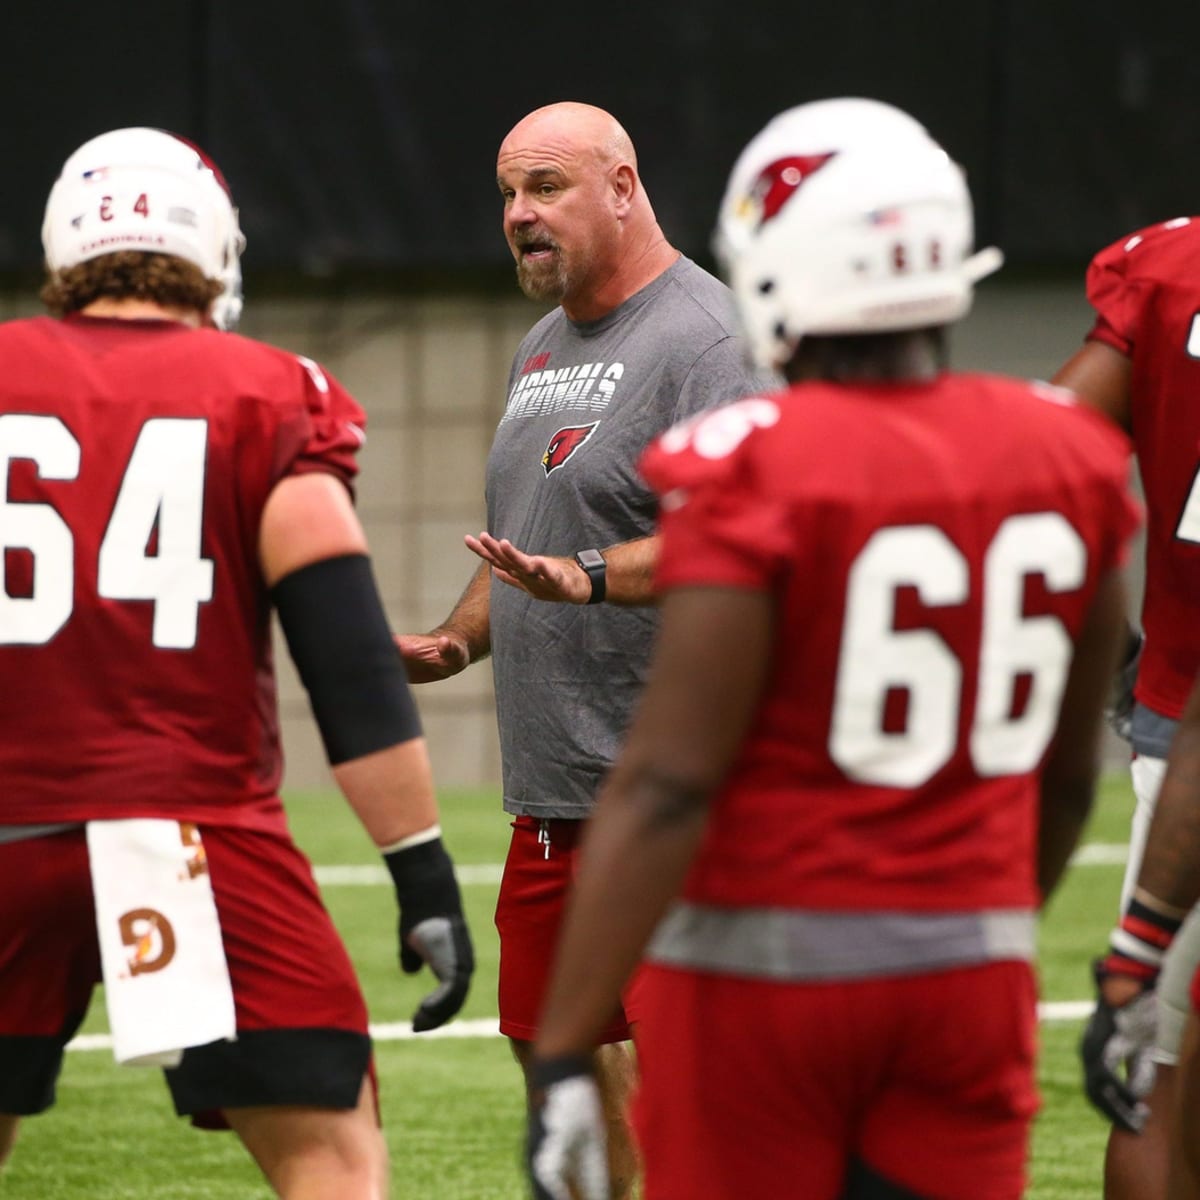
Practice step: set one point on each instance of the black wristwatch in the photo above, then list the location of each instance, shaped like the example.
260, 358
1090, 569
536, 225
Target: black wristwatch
592, 561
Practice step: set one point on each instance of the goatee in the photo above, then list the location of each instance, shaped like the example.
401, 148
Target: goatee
542, 280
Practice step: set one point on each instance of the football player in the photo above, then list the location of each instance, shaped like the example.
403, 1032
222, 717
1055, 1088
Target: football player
891, 598
1141, 366
165, 484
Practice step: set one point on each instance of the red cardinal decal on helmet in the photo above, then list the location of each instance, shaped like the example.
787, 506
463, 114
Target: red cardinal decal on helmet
778, 181
564, 443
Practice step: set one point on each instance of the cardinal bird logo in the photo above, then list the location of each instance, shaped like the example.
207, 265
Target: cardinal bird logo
776, 185
564, 443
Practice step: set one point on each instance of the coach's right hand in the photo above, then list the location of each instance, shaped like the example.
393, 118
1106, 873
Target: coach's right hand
429, 657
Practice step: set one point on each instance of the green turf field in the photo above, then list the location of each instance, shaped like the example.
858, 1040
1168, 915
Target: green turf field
452, 1106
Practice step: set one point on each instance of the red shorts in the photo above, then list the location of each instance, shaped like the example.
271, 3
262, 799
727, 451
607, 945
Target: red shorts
301, 1017
537, 876
752, 1088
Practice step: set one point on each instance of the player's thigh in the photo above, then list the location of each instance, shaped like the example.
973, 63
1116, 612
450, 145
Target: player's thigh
744, 1088
951, 1119
287, 961
49, 962
301, 1017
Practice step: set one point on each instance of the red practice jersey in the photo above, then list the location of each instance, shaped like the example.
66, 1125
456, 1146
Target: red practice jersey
135, 658
932, 549
1146, 292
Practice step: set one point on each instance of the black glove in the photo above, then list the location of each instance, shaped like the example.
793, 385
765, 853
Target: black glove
1117, 1038
1119, 711
432, 928
566, 1139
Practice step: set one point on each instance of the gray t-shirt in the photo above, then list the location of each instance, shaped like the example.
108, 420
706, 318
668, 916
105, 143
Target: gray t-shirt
584, 400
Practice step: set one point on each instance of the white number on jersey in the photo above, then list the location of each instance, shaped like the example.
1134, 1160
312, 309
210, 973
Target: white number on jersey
718, 433
163, 486
1188, 529
31, 620
162, 491
876, 658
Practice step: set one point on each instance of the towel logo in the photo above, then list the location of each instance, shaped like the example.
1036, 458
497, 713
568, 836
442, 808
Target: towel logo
197, 859
150, 936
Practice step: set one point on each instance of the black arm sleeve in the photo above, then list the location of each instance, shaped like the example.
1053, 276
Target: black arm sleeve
340, 641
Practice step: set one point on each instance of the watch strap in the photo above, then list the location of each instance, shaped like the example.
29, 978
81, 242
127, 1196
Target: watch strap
593, 564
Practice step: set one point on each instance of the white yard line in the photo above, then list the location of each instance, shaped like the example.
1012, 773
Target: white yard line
1094, 854
370, 876
395, 1031
1065, 1010
1097, 854
489, 1027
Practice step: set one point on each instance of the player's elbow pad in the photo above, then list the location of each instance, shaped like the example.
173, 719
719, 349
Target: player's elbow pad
342, 645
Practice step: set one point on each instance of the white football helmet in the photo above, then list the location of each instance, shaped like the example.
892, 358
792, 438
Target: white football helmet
845, 217
145, 189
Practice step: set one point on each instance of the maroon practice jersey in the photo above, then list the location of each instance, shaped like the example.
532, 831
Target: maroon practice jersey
1146, 292
135, 659
932, 550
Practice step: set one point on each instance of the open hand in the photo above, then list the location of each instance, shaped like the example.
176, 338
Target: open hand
545, 577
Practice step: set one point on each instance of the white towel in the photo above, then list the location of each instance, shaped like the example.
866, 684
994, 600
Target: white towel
165, 976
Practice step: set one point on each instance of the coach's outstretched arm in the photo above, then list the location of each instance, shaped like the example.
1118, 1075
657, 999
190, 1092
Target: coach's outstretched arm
461, 639
314, 559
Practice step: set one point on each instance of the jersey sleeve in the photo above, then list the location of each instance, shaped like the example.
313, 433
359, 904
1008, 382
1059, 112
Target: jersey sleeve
719, 519
329, 429
1116, 292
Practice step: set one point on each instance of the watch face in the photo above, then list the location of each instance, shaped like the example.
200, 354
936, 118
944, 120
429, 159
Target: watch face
592, 563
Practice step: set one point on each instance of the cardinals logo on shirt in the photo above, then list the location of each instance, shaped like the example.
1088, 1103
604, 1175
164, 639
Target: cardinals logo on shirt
776, 185
564, 443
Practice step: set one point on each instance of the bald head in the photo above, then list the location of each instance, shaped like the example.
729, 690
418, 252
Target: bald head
579, 129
